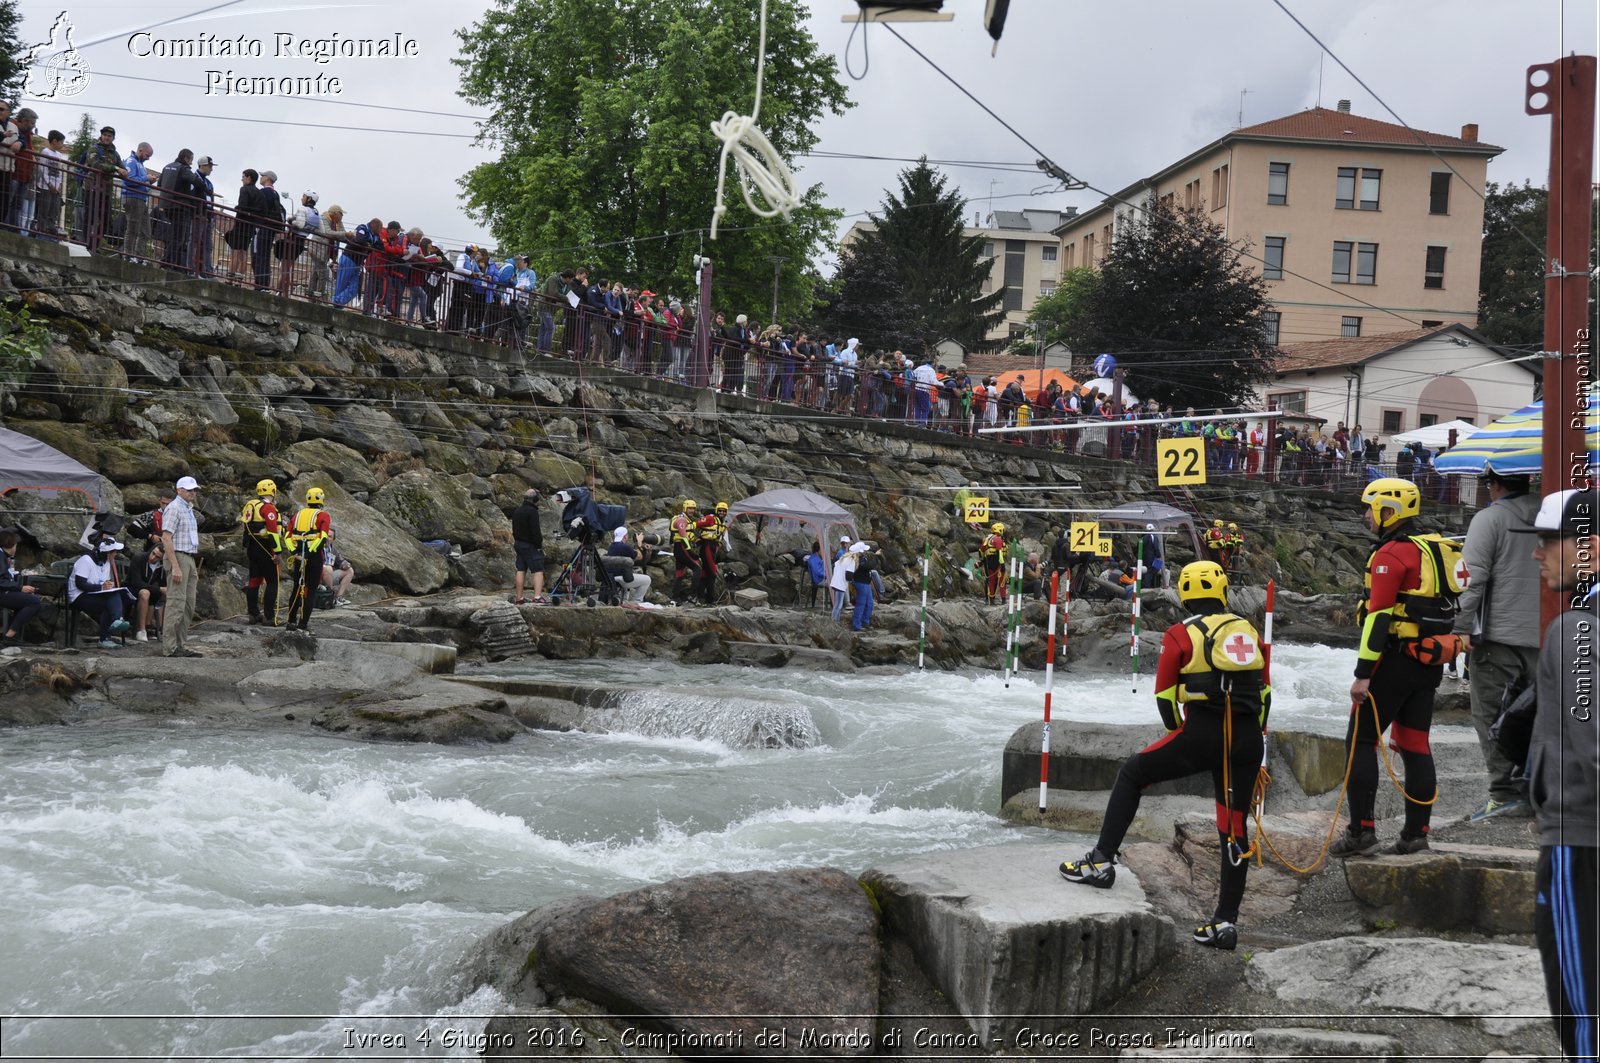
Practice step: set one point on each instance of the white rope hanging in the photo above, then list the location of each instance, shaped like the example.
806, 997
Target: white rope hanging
761, 169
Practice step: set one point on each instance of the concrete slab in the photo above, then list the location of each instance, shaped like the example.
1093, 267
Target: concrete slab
426, 657
1011, 944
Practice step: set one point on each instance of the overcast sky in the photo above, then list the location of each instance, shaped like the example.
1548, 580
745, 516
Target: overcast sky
1110, 91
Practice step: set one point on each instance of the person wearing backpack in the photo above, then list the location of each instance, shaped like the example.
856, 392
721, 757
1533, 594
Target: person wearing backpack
1214, 693
1563, 770
1412, 582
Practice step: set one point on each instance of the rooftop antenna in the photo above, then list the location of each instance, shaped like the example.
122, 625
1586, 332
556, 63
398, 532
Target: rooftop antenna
1242, 94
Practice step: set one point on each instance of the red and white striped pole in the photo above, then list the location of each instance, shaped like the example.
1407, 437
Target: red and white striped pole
1049, 683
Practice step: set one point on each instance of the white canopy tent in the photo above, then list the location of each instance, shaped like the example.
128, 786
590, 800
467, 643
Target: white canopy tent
1435, 436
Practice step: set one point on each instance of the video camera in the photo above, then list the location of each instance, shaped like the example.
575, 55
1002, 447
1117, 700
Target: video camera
584, 519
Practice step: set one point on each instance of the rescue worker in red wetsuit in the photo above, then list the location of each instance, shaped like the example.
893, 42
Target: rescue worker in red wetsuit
1213, 691
993, 555
1398, 667
710, 530
263, 542
309, 535
686, 553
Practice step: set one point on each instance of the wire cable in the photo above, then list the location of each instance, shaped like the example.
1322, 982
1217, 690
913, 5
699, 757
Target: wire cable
761, 169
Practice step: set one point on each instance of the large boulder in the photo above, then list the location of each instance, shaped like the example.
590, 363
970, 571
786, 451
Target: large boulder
93, 386
726, 953
347, 466
434, 505
381, 550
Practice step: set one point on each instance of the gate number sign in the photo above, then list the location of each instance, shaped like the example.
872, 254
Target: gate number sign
977, 510
1180, 462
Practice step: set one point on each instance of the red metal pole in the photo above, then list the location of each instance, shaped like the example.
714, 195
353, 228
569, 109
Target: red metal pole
1565, 90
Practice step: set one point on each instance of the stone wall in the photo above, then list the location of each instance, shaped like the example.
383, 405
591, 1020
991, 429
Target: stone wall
421, 436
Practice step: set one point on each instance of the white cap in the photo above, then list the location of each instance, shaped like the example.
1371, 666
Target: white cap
619, 535
860, 548
741, 319
844, 538
187, 483
110, 545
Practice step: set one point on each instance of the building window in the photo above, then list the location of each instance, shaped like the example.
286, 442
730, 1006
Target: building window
1016, 260
1072, 256
1433, 272
1105, 238
988, 249
1288, 401
1427, 420
1277, 183
1272, 260
1049, 252
1047, 288
1392, 421
1271, 320
1191, 194
1018, 332
1439, 194
1431, 324
1366, 262
1088, 249
1349, 326
1219, 187
1357, 188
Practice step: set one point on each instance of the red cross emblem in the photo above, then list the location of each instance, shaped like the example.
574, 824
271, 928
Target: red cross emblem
1241, 648
1463, 577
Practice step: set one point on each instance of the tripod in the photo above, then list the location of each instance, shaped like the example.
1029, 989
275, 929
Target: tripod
584, 576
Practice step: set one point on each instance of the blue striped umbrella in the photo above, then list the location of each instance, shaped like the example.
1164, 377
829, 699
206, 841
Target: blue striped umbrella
1513, 444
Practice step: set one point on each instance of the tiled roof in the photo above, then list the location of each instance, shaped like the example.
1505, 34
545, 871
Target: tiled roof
1341, 127
1337, 354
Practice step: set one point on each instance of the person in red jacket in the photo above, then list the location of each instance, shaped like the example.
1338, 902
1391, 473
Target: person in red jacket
1214, 692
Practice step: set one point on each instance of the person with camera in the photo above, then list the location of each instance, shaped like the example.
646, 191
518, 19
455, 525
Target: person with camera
635, 582
527, 540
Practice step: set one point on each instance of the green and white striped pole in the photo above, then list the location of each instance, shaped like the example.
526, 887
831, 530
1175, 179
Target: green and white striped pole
922, 624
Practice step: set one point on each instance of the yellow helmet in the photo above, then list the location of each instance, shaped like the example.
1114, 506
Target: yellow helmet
689, 504
1232, 526
1216, 523
314, 496
1392, 500
997, 528
266, 489
722, 507
1203, 579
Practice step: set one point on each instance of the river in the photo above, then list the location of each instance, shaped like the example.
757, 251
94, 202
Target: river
176, 891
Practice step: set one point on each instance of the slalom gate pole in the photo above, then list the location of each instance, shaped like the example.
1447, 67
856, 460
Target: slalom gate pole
1016, 620
922, 624
1266, 655
1049, 683
1010, 626
1005, 657
1133, 637
1066, 612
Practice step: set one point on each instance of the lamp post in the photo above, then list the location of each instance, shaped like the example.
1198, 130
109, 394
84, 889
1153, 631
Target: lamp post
777, 269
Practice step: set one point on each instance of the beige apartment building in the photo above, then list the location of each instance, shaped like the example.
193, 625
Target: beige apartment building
1024, 256
1360, 227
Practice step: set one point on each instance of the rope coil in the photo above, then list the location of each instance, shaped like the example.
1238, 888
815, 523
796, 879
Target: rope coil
762, 170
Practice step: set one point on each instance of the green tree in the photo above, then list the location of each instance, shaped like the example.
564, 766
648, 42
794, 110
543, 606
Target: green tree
1511, 277
81, 138
601, 112
867, 300
1058, 310
12, 73
1182, 309
939, 270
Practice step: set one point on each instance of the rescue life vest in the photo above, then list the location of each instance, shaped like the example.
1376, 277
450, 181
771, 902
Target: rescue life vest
710, 529
992, 547
305, 535
682, 531
255, 521
1226, 661
1431, 608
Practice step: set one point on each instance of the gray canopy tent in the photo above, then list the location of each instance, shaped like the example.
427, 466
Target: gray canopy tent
823, 517
1152, 516
29, 465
